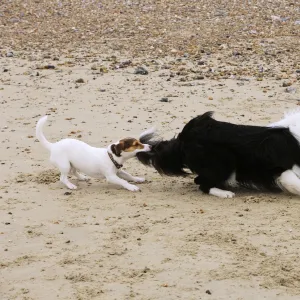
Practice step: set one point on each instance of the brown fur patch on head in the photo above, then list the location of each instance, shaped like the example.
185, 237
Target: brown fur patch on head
126, 145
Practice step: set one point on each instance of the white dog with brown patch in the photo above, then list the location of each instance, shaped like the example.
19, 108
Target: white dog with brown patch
71, 156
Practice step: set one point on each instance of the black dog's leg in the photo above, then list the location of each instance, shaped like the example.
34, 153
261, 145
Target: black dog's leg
213, 170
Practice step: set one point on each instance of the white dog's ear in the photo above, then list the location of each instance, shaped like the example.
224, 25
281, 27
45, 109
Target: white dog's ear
116, 149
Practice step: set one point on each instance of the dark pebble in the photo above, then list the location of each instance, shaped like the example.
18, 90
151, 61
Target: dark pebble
286, 84
67, 193
165, 99
68, 242
5, 70
49, 67
141, 71
208, 292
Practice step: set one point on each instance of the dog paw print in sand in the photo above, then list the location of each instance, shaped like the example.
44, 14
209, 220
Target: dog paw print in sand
44, 177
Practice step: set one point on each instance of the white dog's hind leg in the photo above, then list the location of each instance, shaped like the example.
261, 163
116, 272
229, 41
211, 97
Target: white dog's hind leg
129, 177
221, 193
289, 181
64, 167
117, 180
78, 175
64, 179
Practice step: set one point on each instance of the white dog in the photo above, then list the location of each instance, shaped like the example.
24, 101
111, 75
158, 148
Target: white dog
71, 156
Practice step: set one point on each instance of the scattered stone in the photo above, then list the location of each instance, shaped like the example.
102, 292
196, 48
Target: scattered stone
103, 70
208, 292
80, 80
141, 71
67, 193
285, 84
125, 64
5, 70
291, 90
68, 242
49, 67
10, 54
199, 77
164, 99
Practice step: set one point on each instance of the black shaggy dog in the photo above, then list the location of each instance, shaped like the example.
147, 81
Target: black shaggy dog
224, 154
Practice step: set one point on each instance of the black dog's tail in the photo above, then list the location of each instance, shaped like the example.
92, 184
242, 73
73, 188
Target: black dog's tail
165, 156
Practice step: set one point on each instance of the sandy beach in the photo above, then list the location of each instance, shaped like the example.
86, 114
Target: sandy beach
168, 241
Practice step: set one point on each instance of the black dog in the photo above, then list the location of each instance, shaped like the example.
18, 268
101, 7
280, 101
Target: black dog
224, 154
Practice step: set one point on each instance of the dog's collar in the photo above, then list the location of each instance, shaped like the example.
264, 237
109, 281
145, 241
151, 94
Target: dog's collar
118, 166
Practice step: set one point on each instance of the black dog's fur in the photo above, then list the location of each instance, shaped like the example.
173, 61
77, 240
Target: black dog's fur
214, 150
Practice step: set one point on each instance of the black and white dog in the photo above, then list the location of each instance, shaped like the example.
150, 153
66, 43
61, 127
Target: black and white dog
228, 155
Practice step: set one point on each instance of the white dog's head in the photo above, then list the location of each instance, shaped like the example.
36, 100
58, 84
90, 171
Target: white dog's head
128, 148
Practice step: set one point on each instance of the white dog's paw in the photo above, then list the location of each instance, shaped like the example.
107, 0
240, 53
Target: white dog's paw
132, 188
71, 186
139, 179
82, 177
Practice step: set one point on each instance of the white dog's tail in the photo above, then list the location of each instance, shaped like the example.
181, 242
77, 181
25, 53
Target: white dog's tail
40, 135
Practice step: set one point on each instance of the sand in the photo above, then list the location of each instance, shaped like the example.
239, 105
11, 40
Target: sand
168, 241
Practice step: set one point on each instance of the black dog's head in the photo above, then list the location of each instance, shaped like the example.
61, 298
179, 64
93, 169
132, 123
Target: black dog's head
165, 156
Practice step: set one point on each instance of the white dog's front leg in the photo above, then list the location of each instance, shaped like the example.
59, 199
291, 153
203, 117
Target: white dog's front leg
129, 177
117, 180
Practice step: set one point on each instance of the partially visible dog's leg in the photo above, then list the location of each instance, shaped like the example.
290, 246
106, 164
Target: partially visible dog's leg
214, 168
78, 175
64, 167
221, 193
204, 186
290, 182
129, 177
296, 170
117, 180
